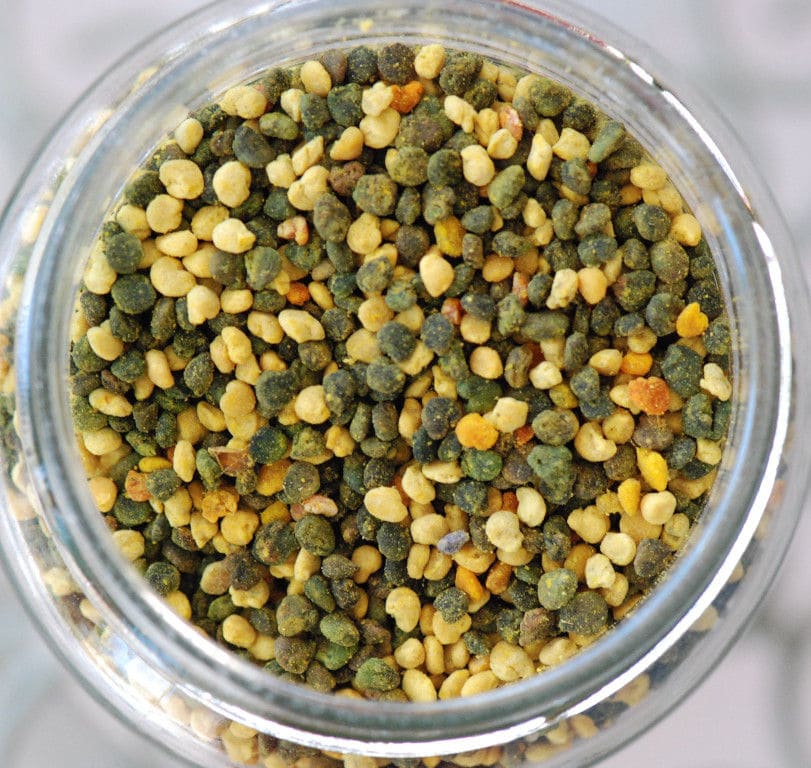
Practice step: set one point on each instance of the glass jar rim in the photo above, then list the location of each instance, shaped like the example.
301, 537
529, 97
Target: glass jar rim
762, 402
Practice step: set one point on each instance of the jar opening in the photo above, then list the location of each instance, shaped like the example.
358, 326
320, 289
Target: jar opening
762, 375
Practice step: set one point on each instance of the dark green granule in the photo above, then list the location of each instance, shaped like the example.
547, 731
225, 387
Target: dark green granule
301, 481
162, 483
143, 188
262, 620
294, 654
251, 147
717, 338
634, 254
340, 389
481, 94
85, 417
85, 359
346, 593
396, 341
423, 447
682, 451
481, 394
682, 369
706, 293
385, 418
228, 269
308, 443
378, 471
506, 186
331, 218
594, 218
594, 250
651, 558
384, 379
481, 465
479, 220
576, 351
375, 675
575, 175
508, 624
556, 475
166, 430
143, 444
278, 125
555, 426
517, 366
523, 596
460, 72
274, 83
344, 104
316, 535
548, 97
277, 206
393, 541
333, 656
395, 63
445, 167
274, 543
586, 384
669, 261
409, 207
338, 628
437, 333
401, 295
607, 141
314, 111
375, 193
452, 604
163, 577
439, 416
375, 275
199, 374
633, 290
556, 588
437, 203
221, 608
133, 294
697, 416
123, 252
305, 256
509, 315
585, 614
315, 355
317, 590
296, 614
131, 513
662, 312
338, 324
408, 166
163, 322
338, 567
629, 324
477, 642
274, 389
652, 222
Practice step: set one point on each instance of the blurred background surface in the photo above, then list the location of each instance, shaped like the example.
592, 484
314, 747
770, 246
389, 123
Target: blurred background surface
753, 59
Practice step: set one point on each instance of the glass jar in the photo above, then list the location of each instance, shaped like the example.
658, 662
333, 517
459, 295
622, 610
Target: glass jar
196, 698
